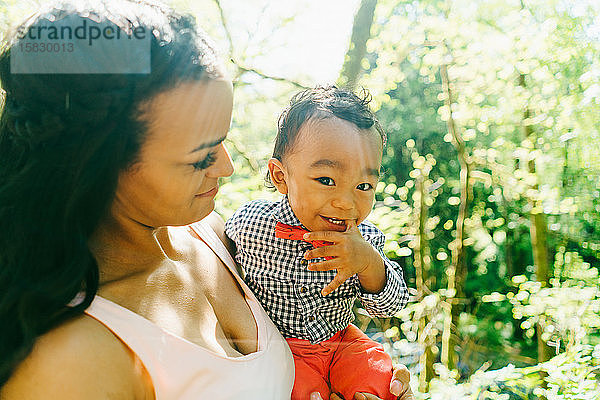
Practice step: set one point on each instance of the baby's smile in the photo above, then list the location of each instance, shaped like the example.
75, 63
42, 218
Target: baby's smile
336, 224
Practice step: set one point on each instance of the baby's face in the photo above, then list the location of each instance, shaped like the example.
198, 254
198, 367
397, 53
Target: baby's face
331, 173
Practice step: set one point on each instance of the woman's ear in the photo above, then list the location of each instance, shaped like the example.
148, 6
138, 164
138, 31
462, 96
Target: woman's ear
278, 175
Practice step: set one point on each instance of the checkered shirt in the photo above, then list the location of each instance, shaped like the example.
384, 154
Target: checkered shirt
290, 293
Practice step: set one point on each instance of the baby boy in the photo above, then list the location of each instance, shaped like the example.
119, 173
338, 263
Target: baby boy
308, 256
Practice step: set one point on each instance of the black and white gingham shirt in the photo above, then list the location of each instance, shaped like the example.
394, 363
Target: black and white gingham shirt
289, 292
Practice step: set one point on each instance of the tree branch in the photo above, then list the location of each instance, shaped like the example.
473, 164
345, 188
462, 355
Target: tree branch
243, 70
251, 161
225, 27
357, 49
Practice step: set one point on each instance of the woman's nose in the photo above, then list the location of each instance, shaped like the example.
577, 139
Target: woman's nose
223, 165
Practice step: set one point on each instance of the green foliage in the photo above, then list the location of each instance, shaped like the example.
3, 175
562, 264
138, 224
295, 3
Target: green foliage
523, 77
568, 311
568, 376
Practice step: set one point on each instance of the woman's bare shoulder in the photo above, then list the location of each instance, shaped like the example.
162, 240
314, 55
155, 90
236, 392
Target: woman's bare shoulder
80, 359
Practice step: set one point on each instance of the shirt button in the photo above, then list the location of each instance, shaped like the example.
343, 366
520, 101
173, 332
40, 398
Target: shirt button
303, 289
304, 261
311, 318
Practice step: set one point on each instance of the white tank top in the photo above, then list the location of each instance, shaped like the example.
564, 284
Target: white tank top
182, 370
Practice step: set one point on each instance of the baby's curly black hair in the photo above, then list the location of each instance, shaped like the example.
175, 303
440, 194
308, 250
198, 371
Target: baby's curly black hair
322, 102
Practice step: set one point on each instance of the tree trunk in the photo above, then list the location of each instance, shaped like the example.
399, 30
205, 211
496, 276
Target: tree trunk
422, 264
457, 271
538, 229
508, 242
361, 33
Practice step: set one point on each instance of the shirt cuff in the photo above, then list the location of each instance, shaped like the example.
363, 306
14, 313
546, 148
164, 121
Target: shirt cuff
391, 298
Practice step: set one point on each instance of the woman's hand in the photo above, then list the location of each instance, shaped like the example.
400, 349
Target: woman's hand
400, 386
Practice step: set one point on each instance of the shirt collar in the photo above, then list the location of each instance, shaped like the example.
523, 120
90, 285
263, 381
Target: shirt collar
283, 213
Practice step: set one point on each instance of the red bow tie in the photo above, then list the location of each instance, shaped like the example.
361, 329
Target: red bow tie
284, 231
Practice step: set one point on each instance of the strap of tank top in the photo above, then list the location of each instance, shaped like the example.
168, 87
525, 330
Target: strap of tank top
212, 240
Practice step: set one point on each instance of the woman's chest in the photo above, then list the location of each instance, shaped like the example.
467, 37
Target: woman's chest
225, 328
195, 298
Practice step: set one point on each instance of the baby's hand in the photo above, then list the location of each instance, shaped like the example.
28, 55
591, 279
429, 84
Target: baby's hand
351, 254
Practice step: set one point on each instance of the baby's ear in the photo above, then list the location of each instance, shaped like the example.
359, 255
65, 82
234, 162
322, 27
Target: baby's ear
278, 175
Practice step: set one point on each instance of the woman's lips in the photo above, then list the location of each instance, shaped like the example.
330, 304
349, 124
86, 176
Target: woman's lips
212, 192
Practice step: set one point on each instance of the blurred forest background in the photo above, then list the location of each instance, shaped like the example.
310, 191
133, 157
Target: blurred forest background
491, 195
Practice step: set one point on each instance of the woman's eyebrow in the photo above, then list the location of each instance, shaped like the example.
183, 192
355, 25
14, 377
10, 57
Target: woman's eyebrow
209, 144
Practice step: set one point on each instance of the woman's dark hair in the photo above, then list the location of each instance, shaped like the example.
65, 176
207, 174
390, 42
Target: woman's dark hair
319, 103
64, 140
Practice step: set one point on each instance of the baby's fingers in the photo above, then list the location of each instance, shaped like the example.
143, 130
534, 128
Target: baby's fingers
323, 265
325, 251
334, 284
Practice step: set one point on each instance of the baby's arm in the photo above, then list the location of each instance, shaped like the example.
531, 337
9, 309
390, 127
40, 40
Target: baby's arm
230, 236
217, 223
394, 295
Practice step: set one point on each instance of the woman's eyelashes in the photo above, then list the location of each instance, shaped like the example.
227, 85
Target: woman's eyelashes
206, 161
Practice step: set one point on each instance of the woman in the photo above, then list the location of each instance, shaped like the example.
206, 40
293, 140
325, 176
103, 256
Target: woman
98, 297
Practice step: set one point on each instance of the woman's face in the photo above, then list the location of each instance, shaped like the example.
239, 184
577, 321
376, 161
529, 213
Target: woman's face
182, 158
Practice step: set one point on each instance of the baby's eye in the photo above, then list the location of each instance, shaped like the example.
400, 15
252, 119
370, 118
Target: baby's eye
364, 187
326, 181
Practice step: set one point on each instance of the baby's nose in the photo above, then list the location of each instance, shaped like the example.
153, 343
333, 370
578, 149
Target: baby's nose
344, 202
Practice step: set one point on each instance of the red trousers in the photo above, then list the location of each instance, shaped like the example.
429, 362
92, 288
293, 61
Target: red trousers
348, 362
